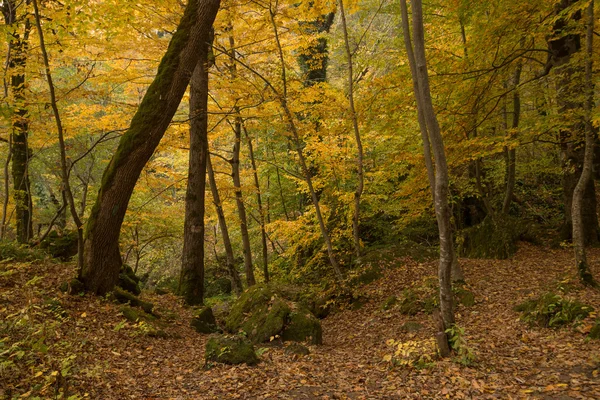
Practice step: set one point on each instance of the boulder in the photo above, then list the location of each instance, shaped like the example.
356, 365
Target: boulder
230, 349
296, 349
303, 326
125, 297
204, 321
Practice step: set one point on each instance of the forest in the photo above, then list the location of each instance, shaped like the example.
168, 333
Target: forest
274, 199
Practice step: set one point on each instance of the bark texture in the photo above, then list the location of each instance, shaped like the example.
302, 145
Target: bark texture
416, 50
21, 154
192, 265
102, 256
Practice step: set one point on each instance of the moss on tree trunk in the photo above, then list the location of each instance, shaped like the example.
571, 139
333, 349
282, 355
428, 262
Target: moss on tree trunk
102, 261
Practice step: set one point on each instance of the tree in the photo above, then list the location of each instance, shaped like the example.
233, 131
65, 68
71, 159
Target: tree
19, 149
102, 258
579, 241
192, 265
415, 49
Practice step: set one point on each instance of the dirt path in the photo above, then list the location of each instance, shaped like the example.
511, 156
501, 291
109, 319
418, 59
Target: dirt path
116, 361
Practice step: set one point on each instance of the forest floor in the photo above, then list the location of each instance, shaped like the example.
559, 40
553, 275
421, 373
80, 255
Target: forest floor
91, 351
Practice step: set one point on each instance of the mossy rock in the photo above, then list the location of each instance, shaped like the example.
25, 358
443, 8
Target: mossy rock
296, 349
253, 298
230, 349
218, 286
62, 246
303, 326
267, 322
389, 303
464, 296
74, 286
553, 311
204, 321
127, 283
595, 331
135, 315
125, 297
412, 326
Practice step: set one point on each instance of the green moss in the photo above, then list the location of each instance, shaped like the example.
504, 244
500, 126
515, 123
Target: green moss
229, 349
267, 322
125, 297
127, 283
74, 286
252, 299
130, 314
410, 304
303, 326
61, 246
204, 321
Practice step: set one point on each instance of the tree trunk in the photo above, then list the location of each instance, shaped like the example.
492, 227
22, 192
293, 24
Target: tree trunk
562, 46
192, 265
583, 268
236, 282
6, 188
359, 156
261, 210
442, 209
102, 256
511, 153
20, 123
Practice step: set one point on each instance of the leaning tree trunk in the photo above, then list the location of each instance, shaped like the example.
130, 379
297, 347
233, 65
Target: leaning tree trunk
192, 265
236, 282
102, 256
20, 123
442, 208
583, 268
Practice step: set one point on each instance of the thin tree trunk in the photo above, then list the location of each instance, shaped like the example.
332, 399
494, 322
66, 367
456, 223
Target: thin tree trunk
442, 209
583, 268
192, 265
6, 188
359, 156
61, 141
285, 211
235, 173
261, 210
511, 154
102, 256
236, 282
282, 97
20, 124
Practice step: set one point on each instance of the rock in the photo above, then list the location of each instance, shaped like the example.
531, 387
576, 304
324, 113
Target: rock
218, 286
204, 321
221, 311
267, 322
296, 349
303, 326
252, 299
412, 326
389, 303
230, 349
124, 297
464, 296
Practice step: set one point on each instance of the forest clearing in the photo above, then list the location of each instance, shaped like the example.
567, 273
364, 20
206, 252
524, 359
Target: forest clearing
512, 360
333, 199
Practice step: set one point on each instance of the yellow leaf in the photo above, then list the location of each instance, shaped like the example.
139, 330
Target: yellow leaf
387, 358
39, 373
